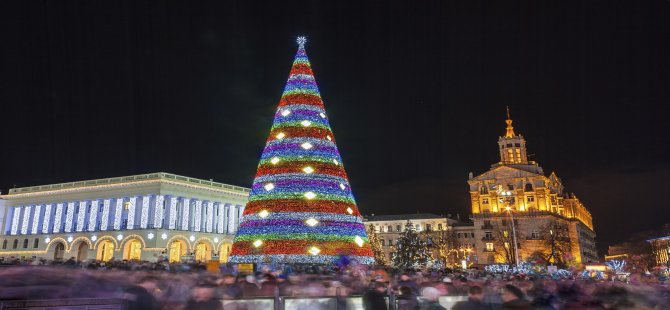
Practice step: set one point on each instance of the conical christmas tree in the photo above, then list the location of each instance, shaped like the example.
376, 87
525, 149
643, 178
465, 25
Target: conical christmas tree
301, 209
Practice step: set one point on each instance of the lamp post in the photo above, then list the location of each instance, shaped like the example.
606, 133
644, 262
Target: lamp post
507, 197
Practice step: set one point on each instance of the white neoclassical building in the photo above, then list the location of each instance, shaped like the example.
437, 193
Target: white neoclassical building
138, 217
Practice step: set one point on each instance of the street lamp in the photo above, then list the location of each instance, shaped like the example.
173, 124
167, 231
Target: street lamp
507, 196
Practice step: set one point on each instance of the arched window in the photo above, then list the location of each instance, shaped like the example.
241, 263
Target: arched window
4, 244
25, 243
36, 243
528, 187
15, 244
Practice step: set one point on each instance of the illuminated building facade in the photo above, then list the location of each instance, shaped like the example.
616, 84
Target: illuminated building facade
548, 221
140, 217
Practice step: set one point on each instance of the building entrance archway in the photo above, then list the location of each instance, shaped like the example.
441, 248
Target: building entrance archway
203, 252
133, 250
224, 252
82, 252
176, 250
105, 251
59, 251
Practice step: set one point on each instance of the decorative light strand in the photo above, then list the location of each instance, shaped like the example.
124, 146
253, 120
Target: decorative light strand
81, 216
69, 217
93, 217
105, 214
36, 219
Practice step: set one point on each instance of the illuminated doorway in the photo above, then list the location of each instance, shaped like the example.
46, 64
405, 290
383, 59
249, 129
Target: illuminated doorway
202, 252
82, 252
224, 252
177, 250
133, 250
105, 251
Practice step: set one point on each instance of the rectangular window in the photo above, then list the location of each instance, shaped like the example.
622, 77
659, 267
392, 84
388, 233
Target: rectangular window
428, 227
382, 242
530, 199
504, 222
458, 235
472, 235
505, 234
488, 235
489, 247
418, 227
439, 226
506, 245
485, 201
390, 242
376, 228
398, 228
389, 228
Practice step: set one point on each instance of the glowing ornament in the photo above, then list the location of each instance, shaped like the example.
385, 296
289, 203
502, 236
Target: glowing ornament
350, 211
69, 239
310, 195
280, 135
306, 123
342, 186
119, 237
359, 241
322, 115
306, 145
258, 243
274, 160
312, 222
93, 238
216, 240
150, 236
164, 236
192, 238
336, 162
269, 186
47, 239
329, 138
301, 42
308, 169
314, 250
263, 213
285, 112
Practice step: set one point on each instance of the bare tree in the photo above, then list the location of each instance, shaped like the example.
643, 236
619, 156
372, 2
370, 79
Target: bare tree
443, 245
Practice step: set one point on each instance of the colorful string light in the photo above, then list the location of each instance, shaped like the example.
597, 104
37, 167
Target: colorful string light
301, 208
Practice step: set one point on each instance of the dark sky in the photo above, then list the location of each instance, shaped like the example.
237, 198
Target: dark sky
416, 92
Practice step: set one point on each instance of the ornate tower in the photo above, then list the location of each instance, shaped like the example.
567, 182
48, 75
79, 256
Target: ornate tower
512, 146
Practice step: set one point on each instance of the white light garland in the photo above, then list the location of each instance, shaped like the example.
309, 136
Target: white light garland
58, 218
308, 169
306, 145
105, 214
159, 211
132, 202
144, 215
232, 218
222, 218
310, 195
186, 207
210, 216
81, 216
173, 213
274, 160
93, 217
69, 217
285, 112
26, 220
47, 219
306, 123
16, 214
117, 213
269, 186
197, 216
36, 219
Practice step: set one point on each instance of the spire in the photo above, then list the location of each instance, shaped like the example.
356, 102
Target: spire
510, 129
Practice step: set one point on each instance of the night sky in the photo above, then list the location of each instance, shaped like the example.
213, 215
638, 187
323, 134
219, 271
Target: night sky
415, 90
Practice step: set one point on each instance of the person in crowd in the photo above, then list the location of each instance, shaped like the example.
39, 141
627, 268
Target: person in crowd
249, 286
405, 280
406, 299
203, 298
431, 299
374, 299
141, 296
230, 289
513, 298
475, 300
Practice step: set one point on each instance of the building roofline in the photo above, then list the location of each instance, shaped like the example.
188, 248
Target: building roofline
158, 176
398, 217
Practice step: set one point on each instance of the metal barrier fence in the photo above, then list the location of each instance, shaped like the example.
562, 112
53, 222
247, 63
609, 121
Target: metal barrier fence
354, 302
64, 304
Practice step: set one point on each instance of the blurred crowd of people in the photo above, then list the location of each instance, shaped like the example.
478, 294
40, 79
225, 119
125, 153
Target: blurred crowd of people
161, 285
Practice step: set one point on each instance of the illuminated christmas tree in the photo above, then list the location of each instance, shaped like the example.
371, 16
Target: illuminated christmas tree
301, 209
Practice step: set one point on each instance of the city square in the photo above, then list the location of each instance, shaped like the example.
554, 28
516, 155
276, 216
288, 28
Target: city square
134, 129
